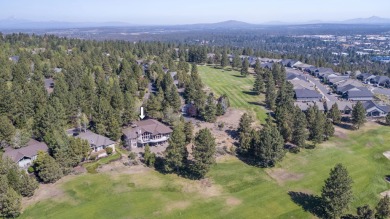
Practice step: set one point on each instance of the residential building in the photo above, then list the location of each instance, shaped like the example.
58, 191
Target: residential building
383, 81
307, 95
362, 94
374, 109
145, 132
24, 156
97, 142
345, 107
304, 106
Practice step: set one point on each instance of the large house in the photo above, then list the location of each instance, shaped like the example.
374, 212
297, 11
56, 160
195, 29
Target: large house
374, 109
359, 94
145, 132
305, 95
345, 107
97, 142
24, 156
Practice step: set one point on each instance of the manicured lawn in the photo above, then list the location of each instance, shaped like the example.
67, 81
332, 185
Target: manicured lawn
238, 190
236, 87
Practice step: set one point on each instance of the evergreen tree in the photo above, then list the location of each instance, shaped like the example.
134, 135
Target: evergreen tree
10, 200
270, 147
318, 128
203, 153
188, 131
149, 157
270, 93
209, 113
329, 129
236, 61
224, 59
7, 131
245, 68
334, 114
337, 192
358, 115
244, 133
48, 170
258, 87
383, 208
299, 135
388, 119
365, 212
176, 152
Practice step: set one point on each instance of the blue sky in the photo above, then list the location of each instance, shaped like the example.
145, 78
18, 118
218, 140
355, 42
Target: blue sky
197, 11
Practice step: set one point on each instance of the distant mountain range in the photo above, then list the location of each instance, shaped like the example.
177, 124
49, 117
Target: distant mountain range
230, 24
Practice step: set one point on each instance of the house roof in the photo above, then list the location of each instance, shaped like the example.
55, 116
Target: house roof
92, 138
304, 106
267, 65
346, 88
356, 83
381, 79
324, 70
364, 76
292, 76
342, 105
149, 125
306, 93
370, 104
362, 92
32, 148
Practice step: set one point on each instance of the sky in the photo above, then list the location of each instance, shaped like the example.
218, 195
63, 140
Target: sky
196, 11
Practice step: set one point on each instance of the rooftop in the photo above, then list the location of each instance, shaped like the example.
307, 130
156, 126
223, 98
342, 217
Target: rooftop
32, 148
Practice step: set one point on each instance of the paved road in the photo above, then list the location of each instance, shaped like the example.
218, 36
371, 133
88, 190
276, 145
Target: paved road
323, 89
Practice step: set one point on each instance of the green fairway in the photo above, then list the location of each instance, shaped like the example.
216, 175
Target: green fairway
236, 87
237, 190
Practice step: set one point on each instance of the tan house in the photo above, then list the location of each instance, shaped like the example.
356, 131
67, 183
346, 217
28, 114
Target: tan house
97, 142
144, 132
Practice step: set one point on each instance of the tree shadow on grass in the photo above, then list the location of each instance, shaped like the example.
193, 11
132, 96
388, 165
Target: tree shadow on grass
345, 126
257, 104
232, 133
308, 202
252, 93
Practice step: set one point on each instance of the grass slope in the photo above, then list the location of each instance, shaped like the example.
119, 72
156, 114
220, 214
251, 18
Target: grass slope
236, 87
239, 190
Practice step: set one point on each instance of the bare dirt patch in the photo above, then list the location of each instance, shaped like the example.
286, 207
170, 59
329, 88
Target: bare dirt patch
281, 175
180, 205
48, 191
383, 194
387, 154
205, 188
232, 201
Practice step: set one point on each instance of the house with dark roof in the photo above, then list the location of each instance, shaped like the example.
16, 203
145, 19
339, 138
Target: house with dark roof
374, 109
304, 106
267, 65
98, 143
306, 95
383, 81
149, 131
359, 94
366, 77
24, 156
345, 107
346, 88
